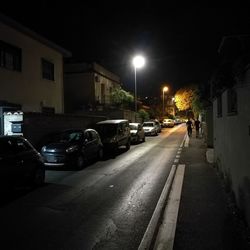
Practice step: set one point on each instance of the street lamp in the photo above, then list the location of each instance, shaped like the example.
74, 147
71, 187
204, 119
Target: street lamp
138, 62
165, 89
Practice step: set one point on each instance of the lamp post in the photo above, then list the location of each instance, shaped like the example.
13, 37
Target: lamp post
138, 62
165, 89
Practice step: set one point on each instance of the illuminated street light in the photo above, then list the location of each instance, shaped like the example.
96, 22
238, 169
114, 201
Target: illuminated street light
165, 89
138, 62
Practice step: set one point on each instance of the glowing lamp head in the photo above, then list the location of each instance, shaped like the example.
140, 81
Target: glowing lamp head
138, 62
165, 89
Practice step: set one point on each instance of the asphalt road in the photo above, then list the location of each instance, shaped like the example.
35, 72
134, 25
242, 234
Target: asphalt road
107, 205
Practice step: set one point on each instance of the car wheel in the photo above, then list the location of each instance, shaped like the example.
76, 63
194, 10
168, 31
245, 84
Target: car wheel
38, 178
80, 162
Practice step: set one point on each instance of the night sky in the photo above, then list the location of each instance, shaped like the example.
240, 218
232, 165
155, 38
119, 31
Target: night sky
180, 43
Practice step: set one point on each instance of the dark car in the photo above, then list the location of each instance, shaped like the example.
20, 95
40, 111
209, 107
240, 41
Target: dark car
20, 163
72, 148
114, 133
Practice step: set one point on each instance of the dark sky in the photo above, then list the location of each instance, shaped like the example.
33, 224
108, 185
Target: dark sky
180, 43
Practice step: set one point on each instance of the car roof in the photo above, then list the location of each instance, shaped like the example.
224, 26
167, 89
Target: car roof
115, 121
148, 122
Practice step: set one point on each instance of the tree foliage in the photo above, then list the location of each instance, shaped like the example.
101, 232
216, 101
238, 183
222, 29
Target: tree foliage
188, 98
144, 115
183, 98
121, 97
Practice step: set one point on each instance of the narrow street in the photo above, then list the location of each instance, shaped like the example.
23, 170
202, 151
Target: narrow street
107, 205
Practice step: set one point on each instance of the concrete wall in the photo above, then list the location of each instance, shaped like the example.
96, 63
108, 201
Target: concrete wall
27, 87
37, 125
207, 127
232, 145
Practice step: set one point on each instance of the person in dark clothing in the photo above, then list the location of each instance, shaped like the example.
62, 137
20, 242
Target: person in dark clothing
189, 127
197, 127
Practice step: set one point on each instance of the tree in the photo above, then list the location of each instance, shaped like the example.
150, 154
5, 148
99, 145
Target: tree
120, 97
189, 98
143, 115
183, 98
197, 105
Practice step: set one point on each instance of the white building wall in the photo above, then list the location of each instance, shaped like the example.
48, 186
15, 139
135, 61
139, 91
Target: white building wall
232, 145
27, 87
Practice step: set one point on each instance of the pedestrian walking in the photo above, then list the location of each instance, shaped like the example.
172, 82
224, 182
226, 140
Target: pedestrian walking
197, 127
189, 127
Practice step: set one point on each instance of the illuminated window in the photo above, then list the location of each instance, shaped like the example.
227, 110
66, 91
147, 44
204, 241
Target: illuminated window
10, 57
47, 70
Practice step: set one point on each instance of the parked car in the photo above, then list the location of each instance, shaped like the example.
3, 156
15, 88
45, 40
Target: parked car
21, 164
177, 121
114, 133
137, 132
150, 128
168, 123
73, 147
158, 125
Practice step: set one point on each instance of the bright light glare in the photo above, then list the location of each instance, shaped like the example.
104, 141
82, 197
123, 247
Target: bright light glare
165, 89
138, 61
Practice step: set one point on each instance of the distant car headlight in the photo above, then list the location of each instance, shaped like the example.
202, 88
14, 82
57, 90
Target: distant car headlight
71, 149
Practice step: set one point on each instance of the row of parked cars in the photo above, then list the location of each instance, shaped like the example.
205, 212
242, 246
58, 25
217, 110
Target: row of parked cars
22, 163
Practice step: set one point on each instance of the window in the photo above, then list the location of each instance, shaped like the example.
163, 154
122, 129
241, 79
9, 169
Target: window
10, 57
94, 135
88, 136
219, 106
231, 102
47, 70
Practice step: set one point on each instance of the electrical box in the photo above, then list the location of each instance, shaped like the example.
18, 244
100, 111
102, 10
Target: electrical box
13, 123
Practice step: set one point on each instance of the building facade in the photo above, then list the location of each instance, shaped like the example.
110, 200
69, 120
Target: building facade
88, 86
31, 69
231, 123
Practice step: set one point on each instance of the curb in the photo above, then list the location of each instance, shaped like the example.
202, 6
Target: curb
153, 226
166, 233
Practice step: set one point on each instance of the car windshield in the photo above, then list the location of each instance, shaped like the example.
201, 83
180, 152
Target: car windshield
67, 137
133, 127
106, 130
148, 124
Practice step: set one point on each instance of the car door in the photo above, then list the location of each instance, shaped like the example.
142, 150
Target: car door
122, 134
8, 162
89, 144
27, 160
140, 131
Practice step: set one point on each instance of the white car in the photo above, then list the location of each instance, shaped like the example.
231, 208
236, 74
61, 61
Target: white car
168, 123
150, 128
137, 132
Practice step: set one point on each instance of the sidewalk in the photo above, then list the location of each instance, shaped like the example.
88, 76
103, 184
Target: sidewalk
205, 219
